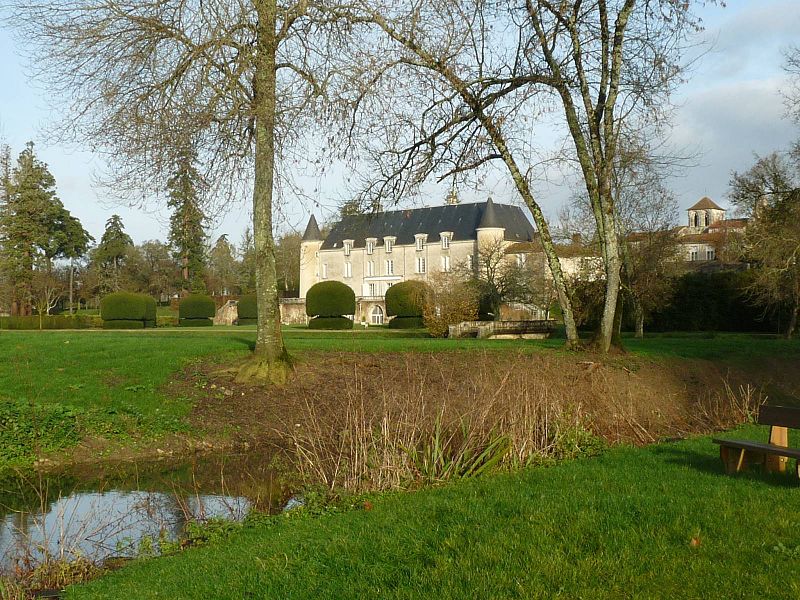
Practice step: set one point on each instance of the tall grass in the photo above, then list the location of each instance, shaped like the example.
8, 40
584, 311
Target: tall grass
431, 420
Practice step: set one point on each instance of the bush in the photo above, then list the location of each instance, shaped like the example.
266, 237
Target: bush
197, 306
51, 322
205, 322
247, 322
167, 321
330, 323
330, 299
406, 299
123, 324
125, 306
248, 308
407, 323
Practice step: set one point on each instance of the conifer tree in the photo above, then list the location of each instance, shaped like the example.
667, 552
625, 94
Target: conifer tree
187, 224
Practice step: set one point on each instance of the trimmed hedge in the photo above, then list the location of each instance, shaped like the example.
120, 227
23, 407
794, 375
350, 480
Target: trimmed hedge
407, 322
247, 322
51, 322
197, 306
330, 323
205, 322
406, 299
330, 299
123, 324
248, 308
125, 306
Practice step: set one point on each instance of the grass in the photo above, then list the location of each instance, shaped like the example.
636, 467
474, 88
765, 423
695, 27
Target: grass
655, 522
71, 385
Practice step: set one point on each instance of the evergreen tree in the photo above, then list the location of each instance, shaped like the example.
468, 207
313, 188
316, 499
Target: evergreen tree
111, 252
247, 268
35, 228
223, 268
187, 223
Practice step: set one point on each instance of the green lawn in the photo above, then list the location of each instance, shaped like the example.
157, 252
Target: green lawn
57, 387
615, 526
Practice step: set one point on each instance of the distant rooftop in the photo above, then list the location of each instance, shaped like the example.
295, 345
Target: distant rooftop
706, 203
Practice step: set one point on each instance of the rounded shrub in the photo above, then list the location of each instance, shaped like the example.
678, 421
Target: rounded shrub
248, 310
330, 299
127, 306
406, 299
330, 323
196, 310
123, 324
407, 323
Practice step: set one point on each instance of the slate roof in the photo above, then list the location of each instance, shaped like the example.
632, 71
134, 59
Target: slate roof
706, 203
312, 232
460, 219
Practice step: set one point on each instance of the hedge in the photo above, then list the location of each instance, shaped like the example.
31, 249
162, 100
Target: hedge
330, 323
407, 323
123, 324
406, 299
51, 322
205, 322
125, 306
197, 306
248, 308
247, 322
330, 299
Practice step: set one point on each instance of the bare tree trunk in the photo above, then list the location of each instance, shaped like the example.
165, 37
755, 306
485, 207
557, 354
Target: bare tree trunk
270, 362
71, 280
793, 319
639, 316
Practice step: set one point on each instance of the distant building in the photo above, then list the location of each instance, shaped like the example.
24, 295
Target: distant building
370, 253
708, 232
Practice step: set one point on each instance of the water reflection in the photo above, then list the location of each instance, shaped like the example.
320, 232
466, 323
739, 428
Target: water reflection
106, 512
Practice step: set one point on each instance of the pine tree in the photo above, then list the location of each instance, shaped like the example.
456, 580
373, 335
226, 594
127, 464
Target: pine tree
247, 267
111, 252
35, 228
187, 223
223, 269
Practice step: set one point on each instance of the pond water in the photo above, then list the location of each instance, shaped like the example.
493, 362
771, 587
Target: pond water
107, 510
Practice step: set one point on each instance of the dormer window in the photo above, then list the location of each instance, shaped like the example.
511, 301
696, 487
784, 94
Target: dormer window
420, 241
446, 236
388, 244
371, 245
348, 246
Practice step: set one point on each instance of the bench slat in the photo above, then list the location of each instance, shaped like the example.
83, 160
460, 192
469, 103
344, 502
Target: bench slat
784, 416
766, 448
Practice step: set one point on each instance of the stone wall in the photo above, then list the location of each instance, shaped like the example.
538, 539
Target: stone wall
293, 311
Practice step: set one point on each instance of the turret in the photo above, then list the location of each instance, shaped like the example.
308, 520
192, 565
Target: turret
490, 231
309, 256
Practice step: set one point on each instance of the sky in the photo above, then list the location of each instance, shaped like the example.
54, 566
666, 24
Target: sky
730, 109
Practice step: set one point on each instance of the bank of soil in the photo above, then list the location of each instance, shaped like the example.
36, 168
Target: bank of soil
622, 399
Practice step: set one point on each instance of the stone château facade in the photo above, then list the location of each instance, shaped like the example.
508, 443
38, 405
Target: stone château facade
370, 253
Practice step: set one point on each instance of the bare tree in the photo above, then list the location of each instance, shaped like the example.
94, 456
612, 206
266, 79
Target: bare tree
450, 300
47, 289
239, 78
769, 192
484, 72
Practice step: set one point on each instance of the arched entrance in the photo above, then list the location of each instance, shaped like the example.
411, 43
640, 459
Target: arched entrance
377, 315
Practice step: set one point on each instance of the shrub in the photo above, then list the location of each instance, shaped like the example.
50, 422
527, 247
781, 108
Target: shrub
51, 322
247, 322
450, 302
123, 324
406, 299
330, 299
407, 323
125, 306
330, 323
196, 322
248, 308
197, 306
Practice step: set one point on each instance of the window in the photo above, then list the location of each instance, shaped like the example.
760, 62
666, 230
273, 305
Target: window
711, 254
324, 271
520, 260
348, 269
446, 264
370, 268
347, 247
374, 289
390, 267
388, 244
377, 316
470, 262
370, 246
445, 242
420, 241
421, 266
693, 255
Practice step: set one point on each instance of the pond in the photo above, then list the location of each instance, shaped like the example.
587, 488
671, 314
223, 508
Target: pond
117, 510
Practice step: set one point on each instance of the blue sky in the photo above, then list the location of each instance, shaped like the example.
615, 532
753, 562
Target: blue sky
730, 109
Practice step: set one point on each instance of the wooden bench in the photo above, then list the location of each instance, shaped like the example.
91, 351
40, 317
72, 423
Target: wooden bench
773, 456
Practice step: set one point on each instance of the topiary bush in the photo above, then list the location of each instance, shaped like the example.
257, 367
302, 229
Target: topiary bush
330, 299
196, 310
123, 324
126, 306
407, 323
406, 299
330, 323
248, 310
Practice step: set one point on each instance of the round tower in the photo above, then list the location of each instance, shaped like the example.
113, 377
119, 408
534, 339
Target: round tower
309, 256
